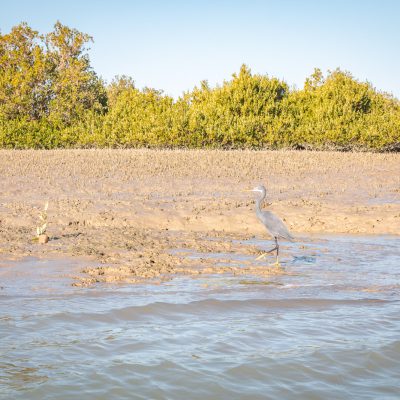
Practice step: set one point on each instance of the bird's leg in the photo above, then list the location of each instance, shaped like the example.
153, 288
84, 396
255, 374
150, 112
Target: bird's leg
277, 263
269, 251
264, 254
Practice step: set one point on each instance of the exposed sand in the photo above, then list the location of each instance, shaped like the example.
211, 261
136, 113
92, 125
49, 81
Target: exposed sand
128, 209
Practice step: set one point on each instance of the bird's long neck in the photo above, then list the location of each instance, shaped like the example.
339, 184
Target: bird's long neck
259, 202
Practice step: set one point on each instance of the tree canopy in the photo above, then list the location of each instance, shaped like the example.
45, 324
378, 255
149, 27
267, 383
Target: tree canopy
51, 97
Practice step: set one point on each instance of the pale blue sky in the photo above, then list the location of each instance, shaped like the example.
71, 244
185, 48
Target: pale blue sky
173, 45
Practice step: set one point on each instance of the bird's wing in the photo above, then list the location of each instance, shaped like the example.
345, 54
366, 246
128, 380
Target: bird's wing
275, 225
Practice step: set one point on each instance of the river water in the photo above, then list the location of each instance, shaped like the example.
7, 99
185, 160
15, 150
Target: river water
330, 330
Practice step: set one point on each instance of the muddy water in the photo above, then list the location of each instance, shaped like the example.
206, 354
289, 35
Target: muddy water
329, 330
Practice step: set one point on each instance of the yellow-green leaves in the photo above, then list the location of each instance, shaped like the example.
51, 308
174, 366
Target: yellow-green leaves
47, 76
51, 97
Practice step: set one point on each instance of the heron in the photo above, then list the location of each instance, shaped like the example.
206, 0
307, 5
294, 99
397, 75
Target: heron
272, 223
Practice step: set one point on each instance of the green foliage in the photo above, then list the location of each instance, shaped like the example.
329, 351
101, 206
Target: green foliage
23, 133
47, 77
340, 112
139, 118
240, 113
24, 74
74, 85
50, 97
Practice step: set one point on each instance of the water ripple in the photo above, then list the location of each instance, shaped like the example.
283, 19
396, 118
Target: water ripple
329, 331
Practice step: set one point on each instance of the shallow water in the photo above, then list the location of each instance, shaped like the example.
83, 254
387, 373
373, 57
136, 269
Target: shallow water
329, 330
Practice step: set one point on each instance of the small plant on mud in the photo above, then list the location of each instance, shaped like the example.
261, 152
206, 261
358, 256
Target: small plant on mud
41, 230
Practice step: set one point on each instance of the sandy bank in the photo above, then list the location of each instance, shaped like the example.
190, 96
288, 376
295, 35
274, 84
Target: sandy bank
130, 206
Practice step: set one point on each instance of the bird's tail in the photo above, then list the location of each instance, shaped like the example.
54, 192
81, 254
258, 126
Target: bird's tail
290, 237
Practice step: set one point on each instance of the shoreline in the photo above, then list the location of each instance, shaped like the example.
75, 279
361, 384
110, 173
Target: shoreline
124, 208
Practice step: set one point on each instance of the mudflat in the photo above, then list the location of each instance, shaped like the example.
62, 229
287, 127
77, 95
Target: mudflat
137, 212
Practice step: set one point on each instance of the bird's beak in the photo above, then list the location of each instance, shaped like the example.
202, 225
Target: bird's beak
247, 190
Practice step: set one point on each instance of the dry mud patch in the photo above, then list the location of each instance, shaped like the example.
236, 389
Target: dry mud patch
131, 211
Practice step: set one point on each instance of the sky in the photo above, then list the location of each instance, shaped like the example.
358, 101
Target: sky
174, 44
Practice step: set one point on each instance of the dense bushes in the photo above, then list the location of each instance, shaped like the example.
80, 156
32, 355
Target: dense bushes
50, 97
340, 112
241, 113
